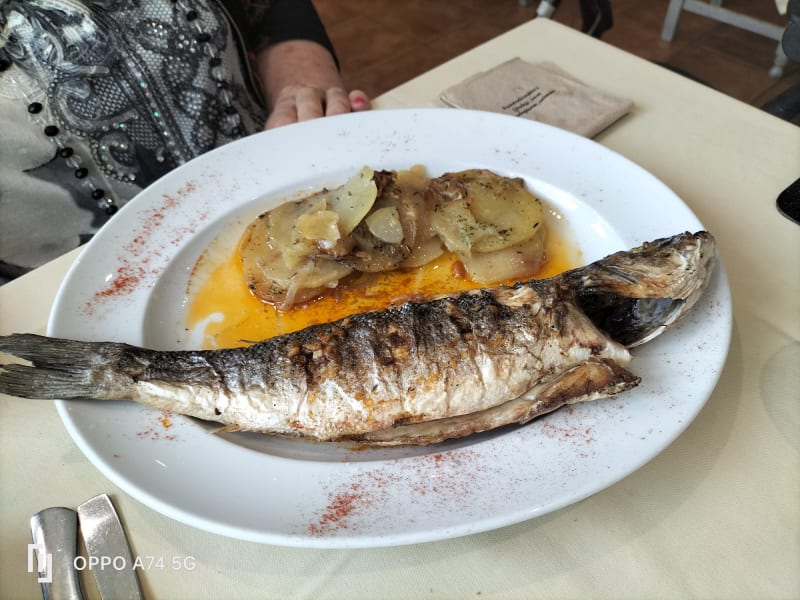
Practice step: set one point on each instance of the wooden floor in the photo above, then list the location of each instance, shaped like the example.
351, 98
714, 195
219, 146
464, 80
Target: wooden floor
382, 43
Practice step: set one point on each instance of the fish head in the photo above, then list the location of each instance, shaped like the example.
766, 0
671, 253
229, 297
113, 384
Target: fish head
635, 296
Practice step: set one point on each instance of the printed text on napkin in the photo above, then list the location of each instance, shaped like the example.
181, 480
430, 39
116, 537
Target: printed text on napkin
540, 92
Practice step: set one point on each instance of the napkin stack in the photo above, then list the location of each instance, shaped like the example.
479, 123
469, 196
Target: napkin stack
541, 92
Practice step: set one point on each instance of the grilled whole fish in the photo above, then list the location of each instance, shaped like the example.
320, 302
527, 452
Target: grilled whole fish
417, 373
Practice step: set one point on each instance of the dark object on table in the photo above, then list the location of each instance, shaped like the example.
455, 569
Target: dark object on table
789, 202
790, 42
596, 15
786, 105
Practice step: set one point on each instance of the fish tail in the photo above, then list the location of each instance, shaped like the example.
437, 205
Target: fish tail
60, 368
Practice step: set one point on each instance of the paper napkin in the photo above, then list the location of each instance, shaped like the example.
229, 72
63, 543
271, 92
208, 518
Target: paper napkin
540, 92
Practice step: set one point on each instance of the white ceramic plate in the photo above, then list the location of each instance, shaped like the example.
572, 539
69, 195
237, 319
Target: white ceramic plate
130, 285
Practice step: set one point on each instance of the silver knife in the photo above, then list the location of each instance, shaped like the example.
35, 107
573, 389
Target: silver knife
108, 550
55, 544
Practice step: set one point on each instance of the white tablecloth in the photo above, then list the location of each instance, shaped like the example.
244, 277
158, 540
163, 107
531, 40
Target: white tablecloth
716, 515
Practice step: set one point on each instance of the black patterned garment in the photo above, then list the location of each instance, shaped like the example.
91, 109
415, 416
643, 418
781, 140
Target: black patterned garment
99, 98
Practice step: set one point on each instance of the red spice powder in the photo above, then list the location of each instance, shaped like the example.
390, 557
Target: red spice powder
137, 256
571, 433
339, 507
125, 282
450, 475
578, 434
156, 433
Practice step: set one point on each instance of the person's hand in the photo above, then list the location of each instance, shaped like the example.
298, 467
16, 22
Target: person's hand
296, 103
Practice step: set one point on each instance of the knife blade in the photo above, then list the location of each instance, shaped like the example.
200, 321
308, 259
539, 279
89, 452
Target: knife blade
108, 549
55, 543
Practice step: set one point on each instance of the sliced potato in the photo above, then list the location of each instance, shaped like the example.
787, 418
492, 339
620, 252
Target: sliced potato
281, 250
279, 228
276, 276
479, 211
380, 221
414, 179
423, 253
319, 226
312, 279
509, 264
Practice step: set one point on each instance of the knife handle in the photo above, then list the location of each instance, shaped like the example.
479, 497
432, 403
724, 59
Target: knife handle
55, 543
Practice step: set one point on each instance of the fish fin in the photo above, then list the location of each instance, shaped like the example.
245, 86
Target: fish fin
59, 368
593, 379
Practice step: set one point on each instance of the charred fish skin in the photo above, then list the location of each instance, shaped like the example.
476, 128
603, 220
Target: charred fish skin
417, 373
630, 299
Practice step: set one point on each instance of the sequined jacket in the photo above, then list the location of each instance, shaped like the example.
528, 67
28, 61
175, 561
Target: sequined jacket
98, 98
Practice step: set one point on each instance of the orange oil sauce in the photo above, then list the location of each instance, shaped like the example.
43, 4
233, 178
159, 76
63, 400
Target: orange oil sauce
230, 316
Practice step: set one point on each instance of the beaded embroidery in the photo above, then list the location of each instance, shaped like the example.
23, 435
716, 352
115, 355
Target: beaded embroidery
146, 85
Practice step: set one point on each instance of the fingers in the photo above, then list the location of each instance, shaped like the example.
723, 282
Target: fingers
336, 102
358, 101
283, 113
301, 103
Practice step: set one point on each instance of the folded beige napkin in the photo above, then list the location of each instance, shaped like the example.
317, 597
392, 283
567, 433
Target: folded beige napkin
540, 92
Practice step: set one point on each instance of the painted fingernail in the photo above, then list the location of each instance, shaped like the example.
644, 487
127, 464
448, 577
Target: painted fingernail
359, 101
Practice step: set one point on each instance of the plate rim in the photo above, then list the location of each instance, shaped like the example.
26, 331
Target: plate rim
343, 541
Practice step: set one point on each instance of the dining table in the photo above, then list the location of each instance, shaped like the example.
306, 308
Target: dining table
716, 514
